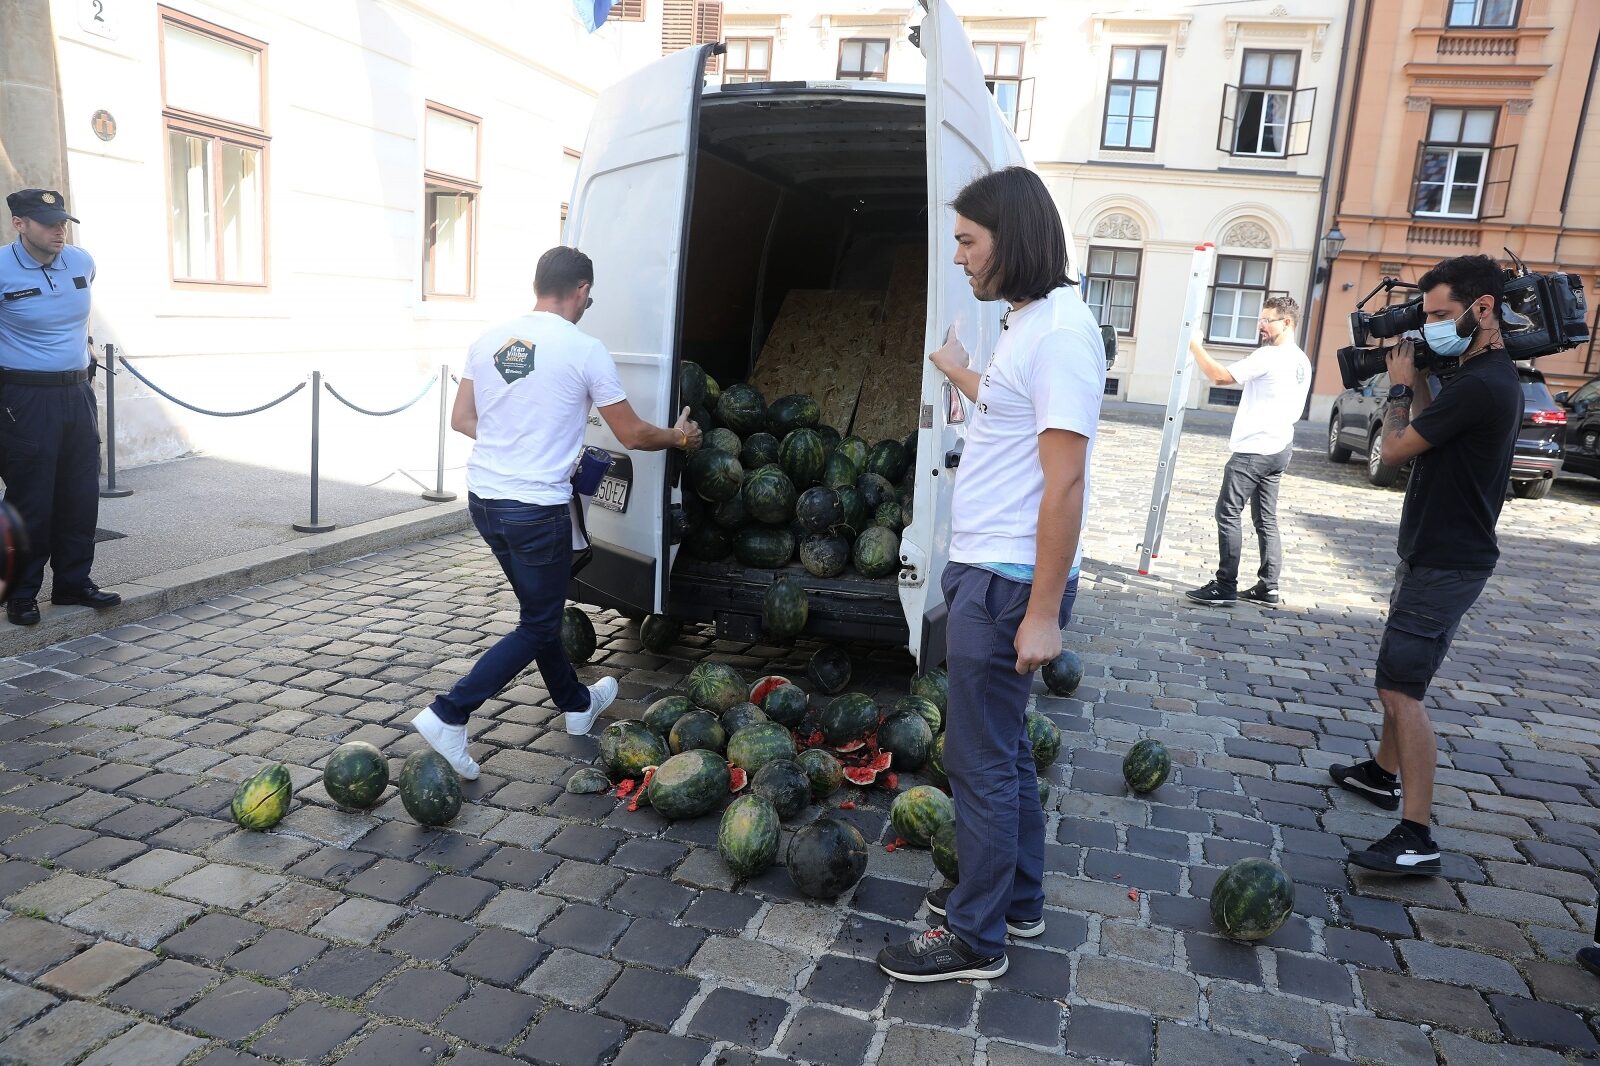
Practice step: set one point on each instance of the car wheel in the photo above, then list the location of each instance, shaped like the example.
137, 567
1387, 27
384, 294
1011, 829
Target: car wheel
1337, 453
1590, 441
1377, 472
1533, 490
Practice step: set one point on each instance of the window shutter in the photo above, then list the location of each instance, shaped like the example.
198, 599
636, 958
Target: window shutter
1300, 115
627, 11
1416, 175
1497, 181
1024, 126
677, 25
708, 29
1225, 121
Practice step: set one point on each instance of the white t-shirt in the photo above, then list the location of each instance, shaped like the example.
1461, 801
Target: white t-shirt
1048, 372
1276, 379
534, 379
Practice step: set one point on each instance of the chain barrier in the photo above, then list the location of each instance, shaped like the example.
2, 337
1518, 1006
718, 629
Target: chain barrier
165, 395
381, 414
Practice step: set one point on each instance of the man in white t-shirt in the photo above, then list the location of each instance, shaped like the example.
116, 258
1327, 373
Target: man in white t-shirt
525, 394
1020, 498
1276, 378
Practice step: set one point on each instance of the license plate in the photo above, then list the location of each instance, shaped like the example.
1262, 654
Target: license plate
612, 494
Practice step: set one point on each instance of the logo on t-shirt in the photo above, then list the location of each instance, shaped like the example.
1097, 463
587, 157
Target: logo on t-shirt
514, 360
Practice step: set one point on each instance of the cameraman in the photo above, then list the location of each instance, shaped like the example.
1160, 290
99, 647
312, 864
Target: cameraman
1462, 442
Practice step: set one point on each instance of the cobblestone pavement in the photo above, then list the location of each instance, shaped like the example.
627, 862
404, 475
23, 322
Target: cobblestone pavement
142, 928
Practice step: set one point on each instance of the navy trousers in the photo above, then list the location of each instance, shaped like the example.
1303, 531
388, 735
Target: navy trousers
50, 461
999, 823
534, 546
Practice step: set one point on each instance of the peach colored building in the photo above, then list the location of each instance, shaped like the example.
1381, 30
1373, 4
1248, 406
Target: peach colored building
1473, 126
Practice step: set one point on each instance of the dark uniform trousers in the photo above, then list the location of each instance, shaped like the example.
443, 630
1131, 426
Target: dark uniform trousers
50, 462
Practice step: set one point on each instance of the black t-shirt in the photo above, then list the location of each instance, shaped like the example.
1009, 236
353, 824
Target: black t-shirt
1459, 484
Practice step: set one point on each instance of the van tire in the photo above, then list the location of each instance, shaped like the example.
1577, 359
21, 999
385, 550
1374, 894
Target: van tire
1378, 473
1337, 453
1537, 489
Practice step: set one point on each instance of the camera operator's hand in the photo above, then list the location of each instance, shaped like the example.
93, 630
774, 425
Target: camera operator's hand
1402, 364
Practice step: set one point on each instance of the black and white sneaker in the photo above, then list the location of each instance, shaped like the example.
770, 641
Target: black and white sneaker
1401, 852
938, 955
1263, 595
1367, 780
1214, 595
937, 899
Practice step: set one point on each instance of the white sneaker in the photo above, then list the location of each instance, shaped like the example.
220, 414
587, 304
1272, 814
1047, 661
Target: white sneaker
448, 740
601, 695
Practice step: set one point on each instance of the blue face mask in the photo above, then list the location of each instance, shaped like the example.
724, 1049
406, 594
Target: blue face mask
1445, 338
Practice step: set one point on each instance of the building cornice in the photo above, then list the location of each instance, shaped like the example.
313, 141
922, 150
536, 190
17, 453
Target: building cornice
1279, 28
1171, 30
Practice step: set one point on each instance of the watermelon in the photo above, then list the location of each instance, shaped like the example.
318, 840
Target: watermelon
626, 748
760, 449
786, 785
742, 409
697, 730
577, 635
910, 445
784, 608
355, 775
1146, 766
724, 440
943, 845
825, 554
1252, 899
888, 516
829, 669
731, 514
1044, 736
748, 837
785, 705
713, 474
849, 717
818, 509
769, 496
664, 713
701, 416
875, 491
715, 686
934, 686
838, 472
929, 711
754, 746
657, 633
691, 385
1044, 793
740, 715
803, 458
826, 858
713, 393
856, 515
877, 552
888, 460
830, 437
587, 781
688, 784
262, 799
789, 413
429, 788
918, 813
855, 449
823, 770
763, 547
708, 542
1064, 673
936, 772
906, 736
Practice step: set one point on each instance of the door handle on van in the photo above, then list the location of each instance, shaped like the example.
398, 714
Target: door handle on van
952, 458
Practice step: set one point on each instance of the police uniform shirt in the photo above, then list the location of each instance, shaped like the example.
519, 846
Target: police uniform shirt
44, 310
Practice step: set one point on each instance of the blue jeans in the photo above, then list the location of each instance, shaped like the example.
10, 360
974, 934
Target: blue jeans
533, 543
999, 823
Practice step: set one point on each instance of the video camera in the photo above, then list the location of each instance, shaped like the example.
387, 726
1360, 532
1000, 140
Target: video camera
1541, 314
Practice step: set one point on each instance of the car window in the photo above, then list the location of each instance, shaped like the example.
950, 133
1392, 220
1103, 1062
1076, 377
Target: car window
1587, 394
1536, 396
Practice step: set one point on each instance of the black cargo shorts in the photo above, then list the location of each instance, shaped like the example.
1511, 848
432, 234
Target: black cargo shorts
1425, 610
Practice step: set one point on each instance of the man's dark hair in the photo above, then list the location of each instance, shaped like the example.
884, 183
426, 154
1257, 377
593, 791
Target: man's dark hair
1030, 246
561, 270
1284, 305
1469, 277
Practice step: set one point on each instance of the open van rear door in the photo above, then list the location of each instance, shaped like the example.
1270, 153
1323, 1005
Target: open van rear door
967, 137
629, 211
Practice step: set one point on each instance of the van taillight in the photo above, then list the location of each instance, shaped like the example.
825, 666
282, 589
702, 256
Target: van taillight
1557, 417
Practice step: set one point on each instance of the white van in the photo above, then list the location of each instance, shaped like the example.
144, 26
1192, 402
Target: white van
701, 208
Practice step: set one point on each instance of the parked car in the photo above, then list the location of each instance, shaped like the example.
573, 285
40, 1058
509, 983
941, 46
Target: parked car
1583, 428
1356, 426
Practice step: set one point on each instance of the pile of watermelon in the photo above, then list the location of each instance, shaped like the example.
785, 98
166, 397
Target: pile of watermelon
773, 487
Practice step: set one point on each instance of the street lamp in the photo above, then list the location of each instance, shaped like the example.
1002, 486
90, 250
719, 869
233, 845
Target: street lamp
1331, 246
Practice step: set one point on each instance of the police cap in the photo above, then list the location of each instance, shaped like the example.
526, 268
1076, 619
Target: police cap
41, 205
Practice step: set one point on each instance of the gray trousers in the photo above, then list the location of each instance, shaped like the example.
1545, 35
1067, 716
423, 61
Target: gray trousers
1251, 479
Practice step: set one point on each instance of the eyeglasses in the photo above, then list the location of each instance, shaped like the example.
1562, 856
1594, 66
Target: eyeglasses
588, 303
1264, 320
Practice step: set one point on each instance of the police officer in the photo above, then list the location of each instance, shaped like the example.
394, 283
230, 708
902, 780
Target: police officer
49, 427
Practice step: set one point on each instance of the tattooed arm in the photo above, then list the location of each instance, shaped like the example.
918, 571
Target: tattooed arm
1402, 443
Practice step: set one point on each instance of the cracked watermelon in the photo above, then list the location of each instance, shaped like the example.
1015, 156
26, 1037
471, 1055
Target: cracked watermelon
764, 685
1146, 766
661, 714
1064, 673
825, 554
714, 475
697, 730
1044, 736
803, 458
829, 669
688, 784
1252, 899
262, 799
848, 718
784, 609
429, 788
754, 746
826, 858
715, 687
748, 837
742, 409
824, 772
577, 635
906, 736
626, 748
356, 775
785, 705
789, 413
918, 813
943, 846
759, 450
658, 633
786, 785
877, 552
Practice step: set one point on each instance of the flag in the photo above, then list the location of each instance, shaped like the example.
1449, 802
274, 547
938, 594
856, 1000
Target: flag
593, 12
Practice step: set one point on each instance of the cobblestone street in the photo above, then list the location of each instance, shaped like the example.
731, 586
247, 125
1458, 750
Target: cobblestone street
143, 928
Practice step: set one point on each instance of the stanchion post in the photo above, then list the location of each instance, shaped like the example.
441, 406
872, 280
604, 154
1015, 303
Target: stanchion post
111, 492
312, 525
438, 494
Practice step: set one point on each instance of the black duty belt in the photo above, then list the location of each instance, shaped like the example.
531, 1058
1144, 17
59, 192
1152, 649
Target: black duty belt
43, 377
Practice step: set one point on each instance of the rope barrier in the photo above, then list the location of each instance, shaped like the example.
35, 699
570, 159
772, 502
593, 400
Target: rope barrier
381, 414
163, 393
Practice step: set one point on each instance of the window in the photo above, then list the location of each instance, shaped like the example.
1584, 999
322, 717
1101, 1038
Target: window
748, 59
1265, 115
1111, 386
213, 84
1002, 73
1222, 397
1111, 286
685, 23
627, 11
450, 180
1459, 174
1483, 13
864, 59
1236, 299
1133, 96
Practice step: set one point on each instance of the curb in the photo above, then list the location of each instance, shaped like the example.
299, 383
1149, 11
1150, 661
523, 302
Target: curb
186, 586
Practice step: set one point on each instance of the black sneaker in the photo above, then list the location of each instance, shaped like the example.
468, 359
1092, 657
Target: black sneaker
22, 612
937, 899
938, 955
1401, 852
1263, 595
1589, 958
1213, 594
1365, 781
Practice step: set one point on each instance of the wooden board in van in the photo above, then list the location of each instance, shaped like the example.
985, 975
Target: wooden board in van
822, 345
